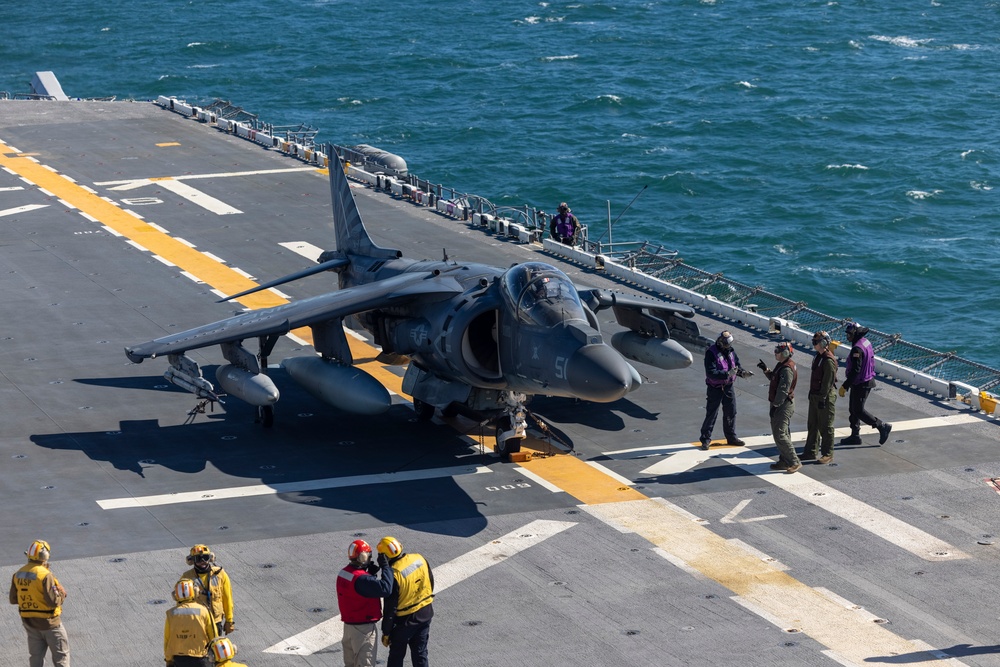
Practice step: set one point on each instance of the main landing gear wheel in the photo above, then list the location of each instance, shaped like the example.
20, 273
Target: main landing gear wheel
424, 411
265, 415
449, 411
509, 446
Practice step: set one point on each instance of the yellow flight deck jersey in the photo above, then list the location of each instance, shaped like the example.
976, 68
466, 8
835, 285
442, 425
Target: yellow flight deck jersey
217, 581
414, 583
33, 590
187, 631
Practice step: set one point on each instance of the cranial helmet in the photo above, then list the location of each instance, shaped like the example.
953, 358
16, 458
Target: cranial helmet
390, 546
39, 551
821, 338
564, 208
851, 328
359, 552
725, 340
200, 553
783, 350
185, 591
222, 649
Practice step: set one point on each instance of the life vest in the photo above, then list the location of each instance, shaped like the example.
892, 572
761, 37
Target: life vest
863, 369
724, 362
816, 378
414, 582
564, 225
217, 579
188, 631
772, 391
31, 598
354, 607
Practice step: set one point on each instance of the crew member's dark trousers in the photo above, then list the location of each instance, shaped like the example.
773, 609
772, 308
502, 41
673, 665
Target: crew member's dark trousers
192, 661
407, 632
859, 394
726, 397
819, 427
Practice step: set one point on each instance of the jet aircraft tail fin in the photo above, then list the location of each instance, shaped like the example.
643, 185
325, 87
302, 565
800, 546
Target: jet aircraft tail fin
352, 237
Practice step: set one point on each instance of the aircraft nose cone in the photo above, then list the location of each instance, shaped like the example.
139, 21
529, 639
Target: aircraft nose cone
598, 373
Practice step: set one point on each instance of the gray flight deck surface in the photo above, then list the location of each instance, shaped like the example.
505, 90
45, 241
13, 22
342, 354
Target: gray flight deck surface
886, 554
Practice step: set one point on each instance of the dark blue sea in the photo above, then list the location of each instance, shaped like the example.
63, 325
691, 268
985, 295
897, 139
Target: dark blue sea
842, 153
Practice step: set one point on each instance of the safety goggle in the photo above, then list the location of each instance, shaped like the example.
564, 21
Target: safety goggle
202, 558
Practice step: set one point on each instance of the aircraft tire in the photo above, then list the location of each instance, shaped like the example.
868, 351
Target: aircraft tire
509, 446
449, 411
424, 411
265, 416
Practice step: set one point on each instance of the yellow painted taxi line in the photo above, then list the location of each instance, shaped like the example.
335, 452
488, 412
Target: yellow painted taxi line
763, 589
585, 483
219, 276
169, 143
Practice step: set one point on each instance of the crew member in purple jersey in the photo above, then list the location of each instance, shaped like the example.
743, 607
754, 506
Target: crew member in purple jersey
860, 381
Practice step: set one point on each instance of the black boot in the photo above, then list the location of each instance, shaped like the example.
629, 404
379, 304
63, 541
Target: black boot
854, 439
883, 431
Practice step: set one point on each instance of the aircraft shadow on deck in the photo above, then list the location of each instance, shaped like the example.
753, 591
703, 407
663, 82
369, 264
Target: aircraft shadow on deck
308, 441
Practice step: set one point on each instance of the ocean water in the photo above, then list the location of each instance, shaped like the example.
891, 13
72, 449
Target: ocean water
842, 153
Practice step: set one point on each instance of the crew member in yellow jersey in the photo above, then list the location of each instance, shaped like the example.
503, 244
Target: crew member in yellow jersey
223, 650
406, 618
187, 630
39, 597
214, 589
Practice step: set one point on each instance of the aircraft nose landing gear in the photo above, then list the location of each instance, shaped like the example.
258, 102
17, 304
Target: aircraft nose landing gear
511, 426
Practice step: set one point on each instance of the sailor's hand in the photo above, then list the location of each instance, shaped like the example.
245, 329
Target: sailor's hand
60, 590
744, 373
385, 641
230, 626
761, 365
383, 561
842, 391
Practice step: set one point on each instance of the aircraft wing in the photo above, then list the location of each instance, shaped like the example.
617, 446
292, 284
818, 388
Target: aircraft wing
398, 290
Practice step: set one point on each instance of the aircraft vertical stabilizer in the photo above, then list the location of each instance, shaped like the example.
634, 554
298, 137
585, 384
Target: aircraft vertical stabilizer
352, 237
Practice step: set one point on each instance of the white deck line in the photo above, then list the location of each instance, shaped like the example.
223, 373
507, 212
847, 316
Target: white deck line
288, 487
453, 572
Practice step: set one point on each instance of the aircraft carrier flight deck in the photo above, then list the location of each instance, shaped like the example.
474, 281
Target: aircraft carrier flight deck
618, 543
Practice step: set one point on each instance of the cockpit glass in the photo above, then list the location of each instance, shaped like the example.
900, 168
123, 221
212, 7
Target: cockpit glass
541, 294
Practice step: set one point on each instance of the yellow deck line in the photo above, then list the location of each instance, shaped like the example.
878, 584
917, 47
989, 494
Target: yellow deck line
209, 271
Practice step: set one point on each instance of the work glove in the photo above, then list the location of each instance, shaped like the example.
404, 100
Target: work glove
744, 373
372, 568
385, 641
842, 391
761, 365
229, 627
383, 560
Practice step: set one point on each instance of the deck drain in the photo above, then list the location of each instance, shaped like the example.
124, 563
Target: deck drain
880, 621
157, 602
631, 633
472, 624
793, 631
305, 414
120, 559
228, 437
317, 610
267, 566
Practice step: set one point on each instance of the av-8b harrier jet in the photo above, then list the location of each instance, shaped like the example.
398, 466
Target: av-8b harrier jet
478, 339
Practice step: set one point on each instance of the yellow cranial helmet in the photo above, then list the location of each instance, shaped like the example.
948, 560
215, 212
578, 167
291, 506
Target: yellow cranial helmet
222, 649
38, 551
200, 553
184, 590
390, 546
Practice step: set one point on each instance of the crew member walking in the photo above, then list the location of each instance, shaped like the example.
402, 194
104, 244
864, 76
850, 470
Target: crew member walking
564, 226
408, 609
357, 596
39, 597
213, 588
188, 629
780, 395
722, 367
860, 382
822, 401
